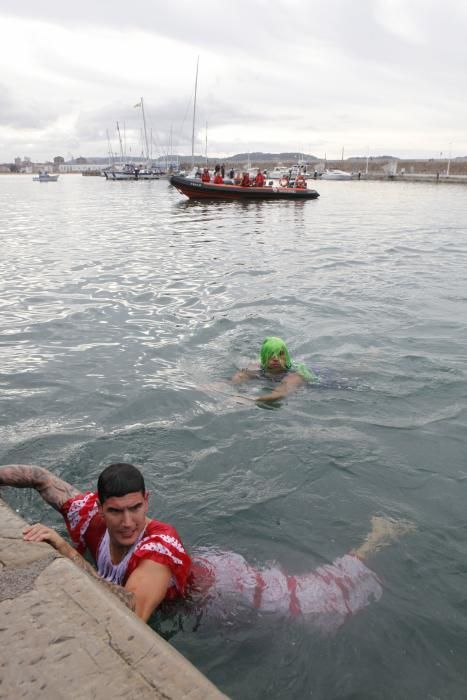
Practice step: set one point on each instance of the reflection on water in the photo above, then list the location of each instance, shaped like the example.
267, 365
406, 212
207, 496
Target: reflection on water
122, 304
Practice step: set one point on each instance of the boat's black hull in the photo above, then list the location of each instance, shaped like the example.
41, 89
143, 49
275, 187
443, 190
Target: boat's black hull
196, 189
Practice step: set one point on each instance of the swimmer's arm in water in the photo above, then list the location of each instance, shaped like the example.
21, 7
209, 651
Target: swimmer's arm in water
42, 533
240, 376
289, 384
53, 490
244, 375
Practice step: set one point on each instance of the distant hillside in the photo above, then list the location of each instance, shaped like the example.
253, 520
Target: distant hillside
258, 157
254, 158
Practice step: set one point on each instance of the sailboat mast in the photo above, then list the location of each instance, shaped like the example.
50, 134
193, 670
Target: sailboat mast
170, 151
145, 132
121, 145
110, 148
194, 117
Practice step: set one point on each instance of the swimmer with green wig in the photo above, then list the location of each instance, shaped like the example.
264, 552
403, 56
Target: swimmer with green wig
276, 364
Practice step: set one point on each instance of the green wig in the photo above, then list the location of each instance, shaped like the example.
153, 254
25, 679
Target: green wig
272, 347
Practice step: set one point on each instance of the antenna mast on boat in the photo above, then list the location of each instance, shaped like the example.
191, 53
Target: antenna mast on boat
194, 117
206, 144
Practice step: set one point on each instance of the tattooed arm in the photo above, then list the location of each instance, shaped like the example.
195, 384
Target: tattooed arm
42, 533
53, 490
56, 492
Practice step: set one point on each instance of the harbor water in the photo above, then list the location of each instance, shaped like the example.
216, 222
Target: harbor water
125, 310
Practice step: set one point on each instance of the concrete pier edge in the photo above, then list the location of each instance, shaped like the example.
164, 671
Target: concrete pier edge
63, 635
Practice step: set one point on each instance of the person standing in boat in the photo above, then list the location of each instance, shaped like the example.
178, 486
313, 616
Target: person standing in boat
218, 179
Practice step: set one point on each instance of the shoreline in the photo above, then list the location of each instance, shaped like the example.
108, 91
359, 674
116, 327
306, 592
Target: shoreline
364, 177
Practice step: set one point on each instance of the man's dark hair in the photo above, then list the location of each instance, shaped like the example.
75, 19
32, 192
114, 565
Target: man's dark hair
118, 480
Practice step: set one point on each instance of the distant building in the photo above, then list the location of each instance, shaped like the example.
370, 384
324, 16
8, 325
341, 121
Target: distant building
23, 165
75, 167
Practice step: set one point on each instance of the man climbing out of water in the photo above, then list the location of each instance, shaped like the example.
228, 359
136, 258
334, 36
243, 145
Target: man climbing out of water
144, 562
276, 365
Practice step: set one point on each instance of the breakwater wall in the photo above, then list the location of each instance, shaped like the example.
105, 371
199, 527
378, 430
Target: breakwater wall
434, 168
63, 635
398, 166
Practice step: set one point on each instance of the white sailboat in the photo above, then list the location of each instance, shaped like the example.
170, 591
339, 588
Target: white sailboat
120, 171
132, 171
147, 172
335, 174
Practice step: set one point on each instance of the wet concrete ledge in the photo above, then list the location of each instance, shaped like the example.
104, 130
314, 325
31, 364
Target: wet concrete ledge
63, 635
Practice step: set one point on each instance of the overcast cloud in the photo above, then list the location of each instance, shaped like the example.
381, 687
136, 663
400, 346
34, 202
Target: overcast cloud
384, 76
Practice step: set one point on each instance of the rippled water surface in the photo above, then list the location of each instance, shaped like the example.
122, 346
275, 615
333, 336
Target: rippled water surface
124, 311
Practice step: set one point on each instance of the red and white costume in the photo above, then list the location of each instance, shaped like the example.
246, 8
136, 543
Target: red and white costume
327, 595
158, 541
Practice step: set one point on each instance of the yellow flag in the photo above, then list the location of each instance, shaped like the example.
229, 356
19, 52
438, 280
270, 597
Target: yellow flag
138, 105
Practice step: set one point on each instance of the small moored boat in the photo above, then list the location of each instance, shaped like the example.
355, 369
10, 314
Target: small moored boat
129, 171
194, 188
45, 177
335, 175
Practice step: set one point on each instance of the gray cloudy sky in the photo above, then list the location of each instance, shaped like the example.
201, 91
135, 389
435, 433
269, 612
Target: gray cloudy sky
384, 76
